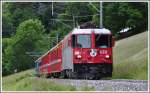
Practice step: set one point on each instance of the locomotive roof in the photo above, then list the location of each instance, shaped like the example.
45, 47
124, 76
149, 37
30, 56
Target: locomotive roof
89, 31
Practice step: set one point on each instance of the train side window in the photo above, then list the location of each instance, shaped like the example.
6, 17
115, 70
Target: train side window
73, 41
39, 63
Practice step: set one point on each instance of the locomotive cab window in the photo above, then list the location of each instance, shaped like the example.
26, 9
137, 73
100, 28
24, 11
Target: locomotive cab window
103, 41
73, 40
81, 41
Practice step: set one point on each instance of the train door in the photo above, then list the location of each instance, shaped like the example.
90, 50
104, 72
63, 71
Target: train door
67, 58
37, 68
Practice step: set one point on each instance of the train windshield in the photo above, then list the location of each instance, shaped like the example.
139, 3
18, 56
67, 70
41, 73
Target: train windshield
81, 41
102, 41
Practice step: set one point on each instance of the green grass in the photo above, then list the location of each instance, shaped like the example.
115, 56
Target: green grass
130, 62
131, 57
24, 81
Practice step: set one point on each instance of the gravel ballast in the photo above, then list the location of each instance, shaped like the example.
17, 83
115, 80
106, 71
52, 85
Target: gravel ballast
106, 85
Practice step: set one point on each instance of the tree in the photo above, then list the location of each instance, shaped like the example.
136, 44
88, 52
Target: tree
7, 21
6, 66
15, 13
122, 15
27, 37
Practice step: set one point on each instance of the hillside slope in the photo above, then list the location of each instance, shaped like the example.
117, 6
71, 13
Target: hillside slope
130, 62
131, 57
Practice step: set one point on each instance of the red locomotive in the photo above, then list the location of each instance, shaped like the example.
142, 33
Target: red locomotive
83, 53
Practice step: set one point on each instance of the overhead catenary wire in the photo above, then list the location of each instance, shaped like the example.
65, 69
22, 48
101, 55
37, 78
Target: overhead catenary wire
100, 11
53, 37
58, 20
61, 19
94, 7
86, 15
76, 16
73, 20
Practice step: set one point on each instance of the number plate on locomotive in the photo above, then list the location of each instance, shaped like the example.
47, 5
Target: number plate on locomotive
103, 52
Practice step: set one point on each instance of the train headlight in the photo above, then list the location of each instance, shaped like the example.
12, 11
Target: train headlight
79, 56
76, 53
107, 56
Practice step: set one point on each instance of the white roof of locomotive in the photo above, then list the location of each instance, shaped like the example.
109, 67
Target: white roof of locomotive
89, 31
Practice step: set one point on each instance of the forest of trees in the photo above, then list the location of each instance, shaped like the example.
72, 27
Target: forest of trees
33, 27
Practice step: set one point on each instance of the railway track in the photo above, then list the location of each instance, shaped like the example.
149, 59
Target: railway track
106, 85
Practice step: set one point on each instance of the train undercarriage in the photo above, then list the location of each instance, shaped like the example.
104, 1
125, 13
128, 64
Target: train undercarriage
85, 71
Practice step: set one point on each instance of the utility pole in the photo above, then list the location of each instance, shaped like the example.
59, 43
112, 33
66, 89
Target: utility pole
57, 37
74, 22
52, 12
101, 14
52, 9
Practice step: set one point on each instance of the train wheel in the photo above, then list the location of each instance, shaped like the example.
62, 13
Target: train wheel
58, 75
86, 76
97, 77
69, 73
109, 74
37, 75
100, 76
44, 75
91, 78
74, 75
49, 75
63, 74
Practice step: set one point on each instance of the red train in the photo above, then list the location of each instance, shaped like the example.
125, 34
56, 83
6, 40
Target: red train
83, 53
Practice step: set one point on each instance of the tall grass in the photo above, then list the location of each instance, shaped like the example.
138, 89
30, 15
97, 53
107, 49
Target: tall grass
131, 58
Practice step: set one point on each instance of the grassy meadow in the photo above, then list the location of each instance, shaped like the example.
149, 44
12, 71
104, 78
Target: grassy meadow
131, 57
